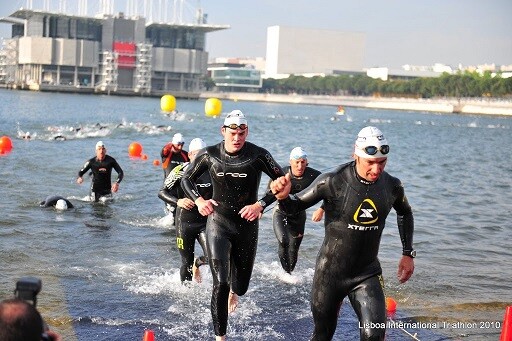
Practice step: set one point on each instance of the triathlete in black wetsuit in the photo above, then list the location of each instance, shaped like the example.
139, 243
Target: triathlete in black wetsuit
190, 224
235, 168
289, 228
101, 167
357, 197
173, 155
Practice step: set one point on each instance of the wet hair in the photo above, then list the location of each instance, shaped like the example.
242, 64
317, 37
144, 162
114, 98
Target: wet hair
20, 320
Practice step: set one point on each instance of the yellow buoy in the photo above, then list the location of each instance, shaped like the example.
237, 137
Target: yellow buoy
212, 107
168, 103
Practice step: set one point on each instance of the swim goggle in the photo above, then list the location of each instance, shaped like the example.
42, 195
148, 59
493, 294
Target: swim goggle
235, 126
372, 150
179, 143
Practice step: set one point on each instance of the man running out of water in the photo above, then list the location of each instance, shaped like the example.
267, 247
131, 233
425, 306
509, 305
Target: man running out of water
289, 228
101, 167
190, 224
357, 198
235, 167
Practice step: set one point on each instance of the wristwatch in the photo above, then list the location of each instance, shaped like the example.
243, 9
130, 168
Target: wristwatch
262, 203
410, 253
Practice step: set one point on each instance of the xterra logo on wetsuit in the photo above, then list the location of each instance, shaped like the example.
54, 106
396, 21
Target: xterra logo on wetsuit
365, 214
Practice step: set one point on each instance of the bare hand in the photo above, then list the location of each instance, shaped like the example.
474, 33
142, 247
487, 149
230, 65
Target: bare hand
205, 207
281, 186
79, 180
251, 212
405, 268
318, 214
115, 187
186, 203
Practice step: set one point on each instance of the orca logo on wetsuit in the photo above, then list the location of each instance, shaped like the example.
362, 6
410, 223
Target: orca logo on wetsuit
235, 175
272, 163
204, 185
366, 213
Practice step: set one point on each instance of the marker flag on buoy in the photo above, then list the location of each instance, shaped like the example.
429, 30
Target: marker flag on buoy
168, 103
135, 149
212, 107
506, 331
148, 336
5, 144
390, 305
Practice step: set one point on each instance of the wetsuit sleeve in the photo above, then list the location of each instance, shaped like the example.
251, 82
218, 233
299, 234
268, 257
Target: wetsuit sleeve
270, 167
168, 193
195, 169
318, 190
119, 170
84, 169
405, 220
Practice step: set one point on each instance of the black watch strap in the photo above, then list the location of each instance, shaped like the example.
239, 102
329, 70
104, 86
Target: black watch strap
410, 253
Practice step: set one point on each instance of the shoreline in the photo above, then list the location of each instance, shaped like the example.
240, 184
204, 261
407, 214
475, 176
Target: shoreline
465, 106
445, 105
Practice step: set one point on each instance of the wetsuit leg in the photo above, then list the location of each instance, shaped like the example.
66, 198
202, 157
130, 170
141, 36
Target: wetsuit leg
243, 255
232, 245
218, 236
296, 233
185, 242
369, 303
280, 224
289, 231
326, 300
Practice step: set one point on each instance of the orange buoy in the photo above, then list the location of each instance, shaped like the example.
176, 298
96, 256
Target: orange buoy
135, 149
156, 162
390, 305
506, 331
148, 335
143, 156
5, 144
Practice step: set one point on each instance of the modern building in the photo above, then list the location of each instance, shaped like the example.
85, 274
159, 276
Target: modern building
235, 77
107, 54
302, 51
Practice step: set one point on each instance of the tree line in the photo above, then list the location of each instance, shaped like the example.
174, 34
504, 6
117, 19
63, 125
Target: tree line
460, 85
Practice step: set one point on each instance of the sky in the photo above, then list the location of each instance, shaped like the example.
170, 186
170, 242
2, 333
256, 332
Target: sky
398, 32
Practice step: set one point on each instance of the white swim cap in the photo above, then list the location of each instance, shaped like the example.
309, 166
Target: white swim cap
298, 153
61, 204
178, 139
100, 144
235, 117
371, 144
196, 144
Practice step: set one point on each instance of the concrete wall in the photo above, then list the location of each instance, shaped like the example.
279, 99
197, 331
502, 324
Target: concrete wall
35, 50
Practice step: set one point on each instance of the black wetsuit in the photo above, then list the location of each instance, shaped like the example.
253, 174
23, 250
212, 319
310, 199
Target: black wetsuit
289, 228
190, 225
347, 263
231, 240
101, 175
51, 201
169, 161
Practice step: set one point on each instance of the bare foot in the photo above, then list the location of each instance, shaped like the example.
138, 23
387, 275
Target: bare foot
196, 273
220, 338
232, 302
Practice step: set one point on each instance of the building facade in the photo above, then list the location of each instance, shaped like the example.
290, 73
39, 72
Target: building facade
303, 51
112, 54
